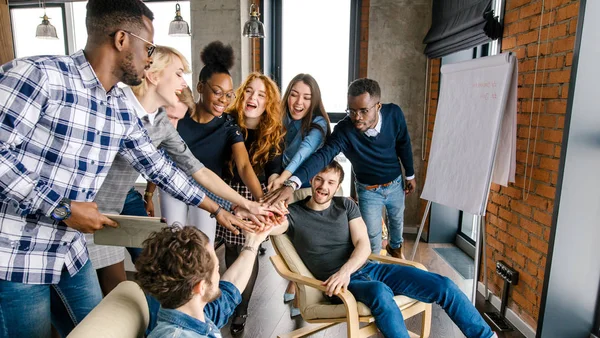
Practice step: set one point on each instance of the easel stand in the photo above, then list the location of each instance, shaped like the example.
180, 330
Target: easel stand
479, 247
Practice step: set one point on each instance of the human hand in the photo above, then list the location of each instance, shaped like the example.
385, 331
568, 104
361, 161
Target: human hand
275, 184
229, 221
337, 282
149, 205
410, 186
86, 218
282, 194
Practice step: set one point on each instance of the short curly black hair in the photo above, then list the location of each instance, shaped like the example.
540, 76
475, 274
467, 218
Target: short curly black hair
105, 17
172, 262
364, 85
217, 58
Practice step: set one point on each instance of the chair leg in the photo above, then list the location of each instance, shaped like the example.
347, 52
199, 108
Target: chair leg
353, 328
426, 323
306, 330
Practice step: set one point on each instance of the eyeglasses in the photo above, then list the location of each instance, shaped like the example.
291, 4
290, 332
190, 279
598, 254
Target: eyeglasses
362, 112
219, 93
151, 46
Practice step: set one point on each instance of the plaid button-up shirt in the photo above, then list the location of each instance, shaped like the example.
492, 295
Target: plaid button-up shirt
59, 133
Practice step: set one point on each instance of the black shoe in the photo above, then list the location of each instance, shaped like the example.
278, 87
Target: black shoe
238, 324
261, 250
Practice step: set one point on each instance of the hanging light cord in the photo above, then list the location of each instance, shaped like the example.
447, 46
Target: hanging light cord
527, 190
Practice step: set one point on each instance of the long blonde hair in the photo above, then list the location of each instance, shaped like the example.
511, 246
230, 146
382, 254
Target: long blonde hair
270, 127
162, 57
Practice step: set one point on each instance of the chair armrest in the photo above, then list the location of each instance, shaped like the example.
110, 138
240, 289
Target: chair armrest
392, 260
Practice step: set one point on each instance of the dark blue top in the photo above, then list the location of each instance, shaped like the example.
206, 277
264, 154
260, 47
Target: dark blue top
174, 323
374, 159
211, 142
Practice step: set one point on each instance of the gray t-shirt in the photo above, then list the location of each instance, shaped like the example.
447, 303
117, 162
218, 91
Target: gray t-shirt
322, 238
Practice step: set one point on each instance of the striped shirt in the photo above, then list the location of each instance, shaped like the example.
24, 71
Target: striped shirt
60, 131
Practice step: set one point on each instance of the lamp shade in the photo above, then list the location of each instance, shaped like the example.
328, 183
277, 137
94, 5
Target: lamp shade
45, 30
178, 26
253, 27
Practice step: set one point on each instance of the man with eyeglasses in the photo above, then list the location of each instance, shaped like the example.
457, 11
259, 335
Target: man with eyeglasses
374, 137
62, 122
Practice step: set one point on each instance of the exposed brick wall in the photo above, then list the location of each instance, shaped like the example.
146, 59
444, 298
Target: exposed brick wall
519, 216
256, 50
364, 39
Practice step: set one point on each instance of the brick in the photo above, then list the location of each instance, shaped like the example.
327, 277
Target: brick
534, 50
552, 135
538, 244
549, 163
547, 121
533, 9
557, 107
531, 227
559, 77
505, 215
529, 37
553, 32
491, 241
567, 12
546, 92
544, 148
514, 192
495, 187
543, 217
546, 191
501, 200
517, 27
528, 279
492, 209
551, 5
520, 208
515, 3
536, 202
540, 175
564, 91
509, 17
548, 19
569, 59
516, 257
531, 296
508, 43
573, 26
526, 65
528, 252
518, 233
535, 106
531, 268
563, 45
557, 151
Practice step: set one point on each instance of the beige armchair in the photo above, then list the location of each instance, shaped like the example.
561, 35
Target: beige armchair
123, 313
316, 309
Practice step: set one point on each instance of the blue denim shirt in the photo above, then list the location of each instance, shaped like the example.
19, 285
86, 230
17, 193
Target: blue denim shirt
299, 147
176, 324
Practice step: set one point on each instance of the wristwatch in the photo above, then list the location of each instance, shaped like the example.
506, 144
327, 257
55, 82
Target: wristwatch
289, 183
62, 211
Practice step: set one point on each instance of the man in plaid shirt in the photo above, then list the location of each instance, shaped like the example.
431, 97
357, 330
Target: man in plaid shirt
62, 122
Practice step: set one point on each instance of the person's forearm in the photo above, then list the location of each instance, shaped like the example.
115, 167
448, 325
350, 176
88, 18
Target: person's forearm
285, 175
358, 258
209, 180
240, 271
150, 187
208, 205
251, 181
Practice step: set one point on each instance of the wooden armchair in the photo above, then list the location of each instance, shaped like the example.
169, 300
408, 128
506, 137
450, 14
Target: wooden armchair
316, 309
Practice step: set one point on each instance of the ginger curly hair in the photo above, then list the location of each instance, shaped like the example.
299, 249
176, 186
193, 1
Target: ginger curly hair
172, 262
270, 128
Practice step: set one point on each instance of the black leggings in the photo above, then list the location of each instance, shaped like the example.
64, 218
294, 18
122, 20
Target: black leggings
232, 252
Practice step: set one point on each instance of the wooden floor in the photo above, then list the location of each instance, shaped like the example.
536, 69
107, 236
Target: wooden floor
269, 316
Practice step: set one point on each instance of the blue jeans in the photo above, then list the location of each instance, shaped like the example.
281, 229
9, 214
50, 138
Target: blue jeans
134, 206
376, 284
27, 310
371, 204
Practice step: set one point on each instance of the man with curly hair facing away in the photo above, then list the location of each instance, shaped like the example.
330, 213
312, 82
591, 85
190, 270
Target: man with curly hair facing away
179, 267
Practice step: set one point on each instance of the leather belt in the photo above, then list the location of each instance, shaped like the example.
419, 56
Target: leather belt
375, 186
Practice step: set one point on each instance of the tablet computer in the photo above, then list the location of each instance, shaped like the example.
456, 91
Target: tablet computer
132, 231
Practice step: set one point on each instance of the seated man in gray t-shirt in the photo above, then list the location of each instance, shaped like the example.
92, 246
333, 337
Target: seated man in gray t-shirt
331, 239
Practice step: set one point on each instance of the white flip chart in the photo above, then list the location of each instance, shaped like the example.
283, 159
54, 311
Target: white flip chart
474, 137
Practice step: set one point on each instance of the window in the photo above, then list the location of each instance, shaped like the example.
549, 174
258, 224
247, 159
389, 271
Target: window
164, 12
24, 23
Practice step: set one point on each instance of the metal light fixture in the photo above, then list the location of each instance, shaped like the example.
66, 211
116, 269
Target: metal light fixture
45, 30
253, 27
178, 26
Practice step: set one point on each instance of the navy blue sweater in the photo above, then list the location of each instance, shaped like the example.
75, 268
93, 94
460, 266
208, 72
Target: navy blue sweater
374, 159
